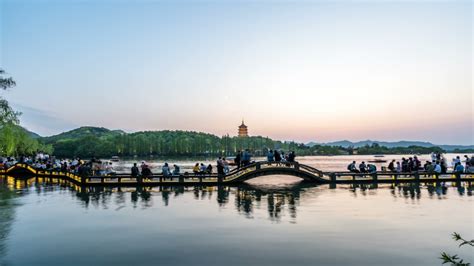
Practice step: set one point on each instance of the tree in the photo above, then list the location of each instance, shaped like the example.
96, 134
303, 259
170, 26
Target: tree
6, 83
14, 140
7, 114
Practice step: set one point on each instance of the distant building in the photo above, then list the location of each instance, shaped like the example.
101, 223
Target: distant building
243, 130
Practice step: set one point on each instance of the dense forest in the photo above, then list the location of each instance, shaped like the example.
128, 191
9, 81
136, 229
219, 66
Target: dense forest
101, 142
87, 142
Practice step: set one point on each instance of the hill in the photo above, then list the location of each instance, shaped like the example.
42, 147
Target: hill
403, 143
87, 142
32, 134
81, 132
101, 142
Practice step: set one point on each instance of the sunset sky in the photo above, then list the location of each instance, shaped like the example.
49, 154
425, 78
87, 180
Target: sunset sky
294, 70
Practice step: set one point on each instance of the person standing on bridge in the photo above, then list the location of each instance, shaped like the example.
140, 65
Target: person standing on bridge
238, 159
226, 165
246, 157
291, 157
136, 173
437, 168
270, 156
277, 156
220, 167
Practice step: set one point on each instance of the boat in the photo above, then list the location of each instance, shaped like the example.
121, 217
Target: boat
115, 159
378, 159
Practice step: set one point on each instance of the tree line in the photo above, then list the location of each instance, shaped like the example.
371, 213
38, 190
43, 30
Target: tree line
90, 142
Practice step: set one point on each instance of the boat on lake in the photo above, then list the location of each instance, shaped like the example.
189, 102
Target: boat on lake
115, 159
378, 159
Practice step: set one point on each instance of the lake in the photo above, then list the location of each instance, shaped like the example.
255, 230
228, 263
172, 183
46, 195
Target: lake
273, 220
324, 163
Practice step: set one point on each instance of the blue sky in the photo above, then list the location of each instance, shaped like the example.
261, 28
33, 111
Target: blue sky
295, 70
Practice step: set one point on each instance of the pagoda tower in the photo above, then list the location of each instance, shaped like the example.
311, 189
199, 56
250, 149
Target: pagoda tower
243, 130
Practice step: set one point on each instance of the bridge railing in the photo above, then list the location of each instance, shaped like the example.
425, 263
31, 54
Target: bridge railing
417, 175
257, 166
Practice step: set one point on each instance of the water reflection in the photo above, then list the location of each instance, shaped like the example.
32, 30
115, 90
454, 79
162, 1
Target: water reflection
7, 212
295, 223
278, 200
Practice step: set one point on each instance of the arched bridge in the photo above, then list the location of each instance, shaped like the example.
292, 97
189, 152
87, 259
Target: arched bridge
257, 169
239, 175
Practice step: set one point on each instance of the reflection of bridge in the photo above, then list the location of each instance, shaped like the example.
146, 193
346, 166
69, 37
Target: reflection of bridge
239, 175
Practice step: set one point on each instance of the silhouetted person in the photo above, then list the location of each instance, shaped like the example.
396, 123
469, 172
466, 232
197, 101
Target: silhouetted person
146, 172
220, 167
238, 158
277, 156
352, 167
270, 156
291, 157
136, 172
391, 166
176, 170
363, 167
209, 169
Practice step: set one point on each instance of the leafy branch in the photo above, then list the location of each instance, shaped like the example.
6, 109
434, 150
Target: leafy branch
6, 83
455, 260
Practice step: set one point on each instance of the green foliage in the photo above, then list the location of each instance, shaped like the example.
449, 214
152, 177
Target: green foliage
7, 114
6, 83
15, 140
455, 260
89, 142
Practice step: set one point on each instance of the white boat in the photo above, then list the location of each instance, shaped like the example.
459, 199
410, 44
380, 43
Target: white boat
115, 159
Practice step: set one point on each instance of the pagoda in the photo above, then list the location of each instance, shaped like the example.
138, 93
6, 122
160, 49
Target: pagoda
243, 130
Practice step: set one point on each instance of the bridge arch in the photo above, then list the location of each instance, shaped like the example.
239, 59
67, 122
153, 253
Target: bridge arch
259, 169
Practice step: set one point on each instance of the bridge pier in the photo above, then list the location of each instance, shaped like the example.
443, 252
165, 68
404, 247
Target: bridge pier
417, 176
333, 177
375, 177
458, 177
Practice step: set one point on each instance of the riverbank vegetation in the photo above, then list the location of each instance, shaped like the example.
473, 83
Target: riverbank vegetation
101, 142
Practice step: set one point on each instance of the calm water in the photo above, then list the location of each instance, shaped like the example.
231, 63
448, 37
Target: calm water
273, 220
324, 163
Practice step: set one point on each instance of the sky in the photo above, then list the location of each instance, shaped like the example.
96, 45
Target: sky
294, 70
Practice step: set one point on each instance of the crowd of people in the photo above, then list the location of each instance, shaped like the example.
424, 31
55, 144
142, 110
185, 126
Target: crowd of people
94, 167
280, 156
363, 168
43, 161
438, 164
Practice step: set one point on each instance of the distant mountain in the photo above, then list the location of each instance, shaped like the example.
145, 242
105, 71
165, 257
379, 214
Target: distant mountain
83, 132
403, 143
31, 134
